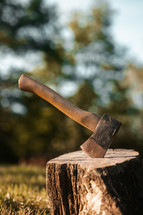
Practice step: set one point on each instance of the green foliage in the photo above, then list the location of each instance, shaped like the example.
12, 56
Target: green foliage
23, 25
22, 190
84, 96
101, 64
27, 28
92, 27
99, 61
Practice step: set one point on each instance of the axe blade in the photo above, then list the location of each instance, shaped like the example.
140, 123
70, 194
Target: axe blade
98, 143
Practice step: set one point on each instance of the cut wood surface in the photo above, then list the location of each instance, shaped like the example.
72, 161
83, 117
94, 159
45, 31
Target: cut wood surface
80, 185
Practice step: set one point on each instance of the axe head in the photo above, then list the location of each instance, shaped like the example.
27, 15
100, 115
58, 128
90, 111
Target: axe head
98, 143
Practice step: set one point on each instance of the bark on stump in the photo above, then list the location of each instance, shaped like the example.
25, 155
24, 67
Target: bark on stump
80, 185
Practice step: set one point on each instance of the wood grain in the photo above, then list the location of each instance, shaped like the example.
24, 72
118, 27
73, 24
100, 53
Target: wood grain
80, 185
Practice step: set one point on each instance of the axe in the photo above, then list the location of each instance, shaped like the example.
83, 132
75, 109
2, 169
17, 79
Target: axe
104, 127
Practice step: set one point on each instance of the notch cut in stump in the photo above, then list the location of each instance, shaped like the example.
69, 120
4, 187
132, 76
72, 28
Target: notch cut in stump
80, 185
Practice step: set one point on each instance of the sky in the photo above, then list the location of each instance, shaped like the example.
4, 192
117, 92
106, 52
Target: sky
127, 28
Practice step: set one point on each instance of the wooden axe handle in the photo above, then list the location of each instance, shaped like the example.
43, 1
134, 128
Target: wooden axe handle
87, 119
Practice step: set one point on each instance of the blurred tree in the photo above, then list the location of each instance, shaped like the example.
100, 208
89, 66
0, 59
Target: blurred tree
102, 65
28, 29
98, 59
124, 107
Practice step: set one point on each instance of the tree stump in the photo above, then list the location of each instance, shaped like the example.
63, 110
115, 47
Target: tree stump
80, 185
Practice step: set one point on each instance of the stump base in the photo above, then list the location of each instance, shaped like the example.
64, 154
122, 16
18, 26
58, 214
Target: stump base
80, 185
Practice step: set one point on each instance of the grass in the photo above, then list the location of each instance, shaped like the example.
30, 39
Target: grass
23, 190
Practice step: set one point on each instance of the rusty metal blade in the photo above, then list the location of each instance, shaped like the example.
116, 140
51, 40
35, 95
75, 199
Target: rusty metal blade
98, 143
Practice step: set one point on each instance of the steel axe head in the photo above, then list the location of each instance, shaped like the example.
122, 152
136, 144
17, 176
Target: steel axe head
98, 143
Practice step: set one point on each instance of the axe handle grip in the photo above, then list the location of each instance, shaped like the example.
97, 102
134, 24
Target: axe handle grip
85, 118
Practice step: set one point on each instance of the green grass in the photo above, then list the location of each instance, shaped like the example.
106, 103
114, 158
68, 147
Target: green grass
23, 190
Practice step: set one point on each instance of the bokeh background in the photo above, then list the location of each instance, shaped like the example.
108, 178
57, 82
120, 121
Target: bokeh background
88, 51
